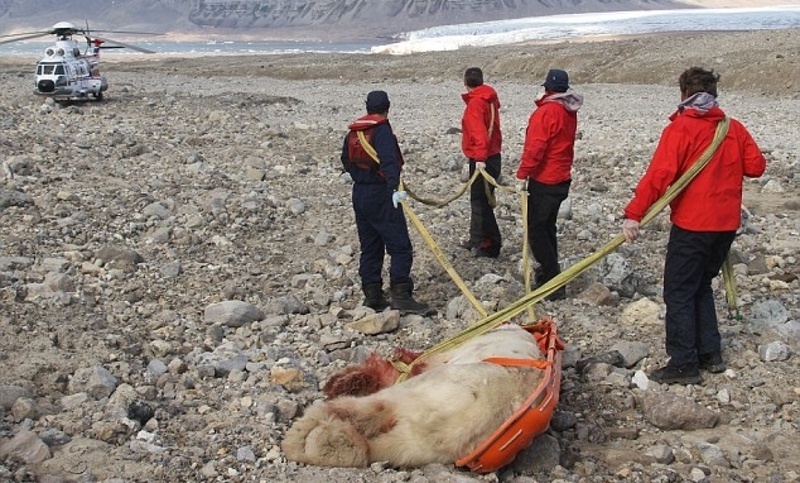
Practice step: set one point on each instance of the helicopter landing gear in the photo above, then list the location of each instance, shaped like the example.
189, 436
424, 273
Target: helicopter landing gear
98, 96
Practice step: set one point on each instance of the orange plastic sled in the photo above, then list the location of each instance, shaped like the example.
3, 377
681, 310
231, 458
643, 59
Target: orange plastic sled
533, 417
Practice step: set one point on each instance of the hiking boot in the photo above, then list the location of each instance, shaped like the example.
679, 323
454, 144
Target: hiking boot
373, 296
487, 253
488, 249
538, 275
559, 294
403, 301
712, 363
676, 375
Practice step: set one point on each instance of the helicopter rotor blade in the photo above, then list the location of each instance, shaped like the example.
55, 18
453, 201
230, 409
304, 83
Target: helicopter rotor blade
18, 37
19, 34
127, 46
134, 32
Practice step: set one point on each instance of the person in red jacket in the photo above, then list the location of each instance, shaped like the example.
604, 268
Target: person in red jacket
546, 168
705, 217
481, 142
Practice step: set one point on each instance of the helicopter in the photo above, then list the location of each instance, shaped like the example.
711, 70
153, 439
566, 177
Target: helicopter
67, 73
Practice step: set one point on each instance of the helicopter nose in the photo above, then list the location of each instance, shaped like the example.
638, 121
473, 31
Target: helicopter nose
46, 85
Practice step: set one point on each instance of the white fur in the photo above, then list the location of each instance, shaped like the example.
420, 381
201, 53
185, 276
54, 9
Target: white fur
436, 417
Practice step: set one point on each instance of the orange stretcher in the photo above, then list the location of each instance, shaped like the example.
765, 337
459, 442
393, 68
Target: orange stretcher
533, 417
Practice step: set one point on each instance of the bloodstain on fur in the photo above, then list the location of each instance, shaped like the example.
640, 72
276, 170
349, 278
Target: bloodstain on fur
454, 401
370, 377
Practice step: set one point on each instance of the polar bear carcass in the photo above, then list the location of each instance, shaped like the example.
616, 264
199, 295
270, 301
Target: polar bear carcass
455, 403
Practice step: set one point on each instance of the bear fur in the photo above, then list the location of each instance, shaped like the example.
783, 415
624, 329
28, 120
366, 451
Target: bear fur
437, 416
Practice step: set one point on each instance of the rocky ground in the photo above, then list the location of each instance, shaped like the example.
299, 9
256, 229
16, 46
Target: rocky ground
178, 263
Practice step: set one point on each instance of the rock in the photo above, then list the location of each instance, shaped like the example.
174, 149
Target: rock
95, 381
9, 395
669, 412
640, 380
661, 454
245, 453
232, 313
25, 447
291, 378
774, 351
619, 276
631, 352
379, 323
288, 304
25, 408
119, 257
598, 294
643, 311
73, 400
712, 455
13, 198
541, 456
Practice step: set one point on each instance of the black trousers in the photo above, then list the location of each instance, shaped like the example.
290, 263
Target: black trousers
483, 229
381, 229
544, 200
693, 260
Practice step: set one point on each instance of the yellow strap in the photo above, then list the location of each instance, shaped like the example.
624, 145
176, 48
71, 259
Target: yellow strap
489, 193
487, 187
437, 252
459, 192
491, 119
729, 279
440, 203
526, 256
401, 366
520, 305
362, 138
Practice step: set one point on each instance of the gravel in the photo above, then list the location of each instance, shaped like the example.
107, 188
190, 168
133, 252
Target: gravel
178, 263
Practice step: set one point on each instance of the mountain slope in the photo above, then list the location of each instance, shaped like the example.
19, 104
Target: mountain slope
283, 18
327, 19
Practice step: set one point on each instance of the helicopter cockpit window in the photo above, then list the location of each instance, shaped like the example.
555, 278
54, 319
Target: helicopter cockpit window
50, 69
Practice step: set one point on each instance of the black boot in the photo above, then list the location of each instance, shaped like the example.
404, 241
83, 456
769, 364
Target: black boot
373, 296
559, 294
403, 301
541, 278
538, 276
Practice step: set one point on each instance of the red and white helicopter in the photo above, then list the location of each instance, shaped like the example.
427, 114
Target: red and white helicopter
66, 73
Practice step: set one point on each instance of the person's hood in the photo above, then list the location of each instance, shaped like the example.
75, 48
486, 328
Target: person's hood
701, 106
484, 92
571, 100
700, 101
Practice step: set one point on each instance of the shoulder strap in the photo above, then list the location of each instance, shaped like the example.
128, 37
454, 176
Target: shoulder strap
687, 177
367, 146
491, 120
702, 161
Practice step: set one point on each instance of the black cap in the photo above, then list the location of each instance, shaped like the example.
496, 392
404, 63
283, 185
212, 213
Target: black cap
377, 102
556, 81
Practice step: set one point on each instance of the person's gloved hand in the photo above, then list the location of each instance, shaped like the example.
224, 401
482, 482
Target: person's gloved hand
480, 165
630, 229
399, 196
522, 185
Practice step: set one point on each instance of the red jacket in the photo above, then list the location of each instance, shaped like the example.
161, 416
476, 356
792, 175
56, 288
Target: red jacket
550, 139
712, 201
482, 106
